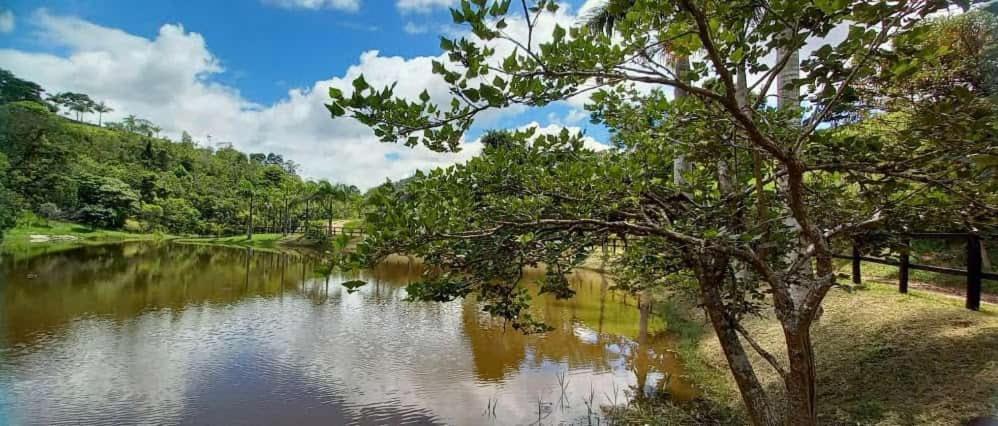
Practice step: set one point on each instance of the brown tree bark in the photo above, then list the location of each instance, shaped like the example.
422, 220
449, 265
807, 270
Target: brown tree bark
800, 380
710, 275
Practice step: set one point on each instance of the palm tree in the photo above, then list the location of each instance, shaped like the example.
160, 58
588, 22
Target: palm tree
328, 194
248, 190
101, 108
604, 19
130, 122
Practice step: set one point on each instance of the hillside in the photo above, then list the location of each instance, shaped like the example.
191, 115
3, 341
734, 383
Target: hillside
122, 176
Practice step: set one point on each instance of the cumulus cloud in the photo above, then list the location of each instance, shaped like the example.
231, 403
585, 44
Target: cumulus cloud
169, 79
423, 6
347, 5
6, 22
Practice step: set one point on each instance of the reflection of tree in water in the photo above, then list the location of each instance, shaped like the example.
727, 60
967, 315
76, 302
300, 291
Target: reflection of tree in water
594, 331
598, 329
121, 281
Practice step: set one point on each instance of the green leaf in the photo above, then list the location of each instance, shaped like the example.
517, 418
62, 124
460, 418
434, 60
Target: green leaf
335, 110
359, 84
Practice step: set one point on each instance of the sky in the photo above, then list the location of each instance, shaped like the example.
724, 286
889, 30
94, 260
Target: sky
256, 73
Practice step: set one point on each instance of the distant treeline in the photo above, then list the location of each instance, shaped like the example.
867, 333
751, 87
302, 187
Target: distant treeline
121, 175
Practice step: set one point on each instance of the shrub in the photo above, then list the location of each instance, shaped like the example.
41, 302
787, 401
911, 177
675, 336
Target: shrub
317, 235
49, 211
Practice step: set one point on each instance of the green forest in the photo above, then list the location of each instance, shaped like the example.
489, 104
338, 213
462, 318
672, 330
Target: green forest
122, 175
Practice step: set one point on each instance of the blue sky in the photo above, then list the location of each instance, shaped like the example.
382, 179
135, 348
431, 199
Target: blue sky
250, 72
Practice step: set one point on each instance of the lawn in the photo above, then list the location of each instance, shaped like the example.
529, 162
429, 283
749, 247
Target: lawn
883, 358
18, 241
258, 240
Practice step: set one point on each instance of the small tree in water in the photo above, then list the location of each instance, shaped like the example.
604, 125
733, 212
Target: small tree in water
764, 190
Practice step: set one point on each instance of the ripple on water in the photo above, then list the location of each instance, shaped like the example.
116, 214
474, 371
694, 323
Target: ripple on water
88, 344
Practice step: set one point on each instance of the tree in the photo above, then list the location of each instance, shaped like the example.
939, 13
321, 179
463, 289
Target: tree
49, 211
101, 109
248, 190
179, 215
328, 194
550, 200
79, 103
8, 209
105, 201
13, 89
29, 137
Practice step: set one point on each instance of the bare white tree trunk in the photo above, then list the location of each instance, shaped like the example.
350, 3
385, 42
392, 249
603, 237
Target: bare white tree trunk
788, 97
679, 164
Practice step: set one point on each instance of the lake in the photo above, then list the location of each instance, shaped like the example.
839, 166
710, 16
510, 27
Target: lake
167, 333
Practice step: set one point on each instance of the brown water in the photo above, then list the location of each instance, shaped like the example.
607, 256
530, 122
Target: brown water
181, 334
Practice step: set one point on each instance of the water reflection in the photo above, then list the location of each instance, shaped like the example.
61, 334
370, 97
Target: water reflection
169, 333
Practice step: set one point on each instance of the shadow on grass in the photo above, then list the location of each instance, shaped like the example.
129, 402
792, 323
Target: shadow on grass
926, 364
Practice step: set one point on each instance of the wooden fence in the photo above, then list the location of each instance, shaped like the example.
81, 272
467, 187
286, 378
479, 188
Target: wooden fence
974, 271
339, 230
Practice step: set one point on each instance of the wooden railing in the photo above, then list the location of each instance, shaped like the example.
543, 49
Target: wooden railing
339, 230
974, 271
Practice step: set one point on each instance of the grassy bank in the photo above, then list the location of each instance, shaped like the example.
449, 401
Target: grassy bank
262, 241
28, 240
883, 358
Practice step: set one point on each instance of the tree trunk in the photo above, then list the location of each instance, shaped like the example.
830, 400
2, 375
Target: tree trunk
287, 217
679, 164
787, 93
249, 227
711, 277
788, 97
800, 380
308, 218
329, 211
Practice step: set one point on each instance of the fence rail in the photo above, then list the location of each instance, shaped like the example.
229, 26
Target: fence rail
339, 230
974, 272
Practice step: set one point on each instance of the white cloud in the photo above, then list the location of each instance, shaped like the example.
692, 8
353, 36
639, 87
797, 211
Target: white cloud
554, 129
573, 116
423, 6
413, 28
6, 22
347, 5
169, 79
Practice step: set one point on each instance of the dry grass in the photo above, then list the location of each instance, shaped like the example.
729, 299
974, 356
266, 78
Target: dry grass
886, 358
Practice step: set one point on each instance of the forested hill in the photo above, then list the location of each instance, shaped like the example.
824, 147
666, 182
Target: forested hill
123, 176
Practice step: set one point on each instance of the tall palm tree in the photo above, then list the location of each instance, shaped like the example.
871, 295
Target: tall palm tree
101, 108
130, 122
328, 194
604, 19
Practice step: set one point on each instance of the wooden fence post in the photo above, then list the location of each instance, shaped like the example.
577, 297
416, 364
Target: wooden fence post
903, 272
856, 279
974, 263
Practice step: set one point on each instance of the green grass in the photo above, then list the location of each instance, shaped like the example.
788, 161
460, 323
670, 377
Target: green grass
889, 274
345, 223
17, 241
258, 240
353, 224
883, 358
